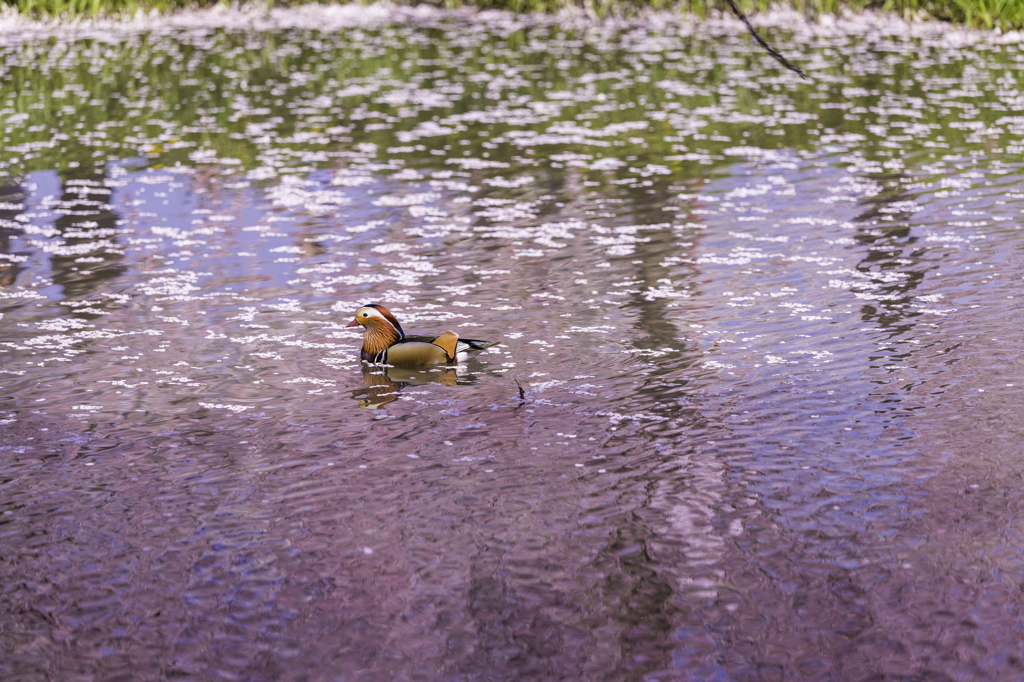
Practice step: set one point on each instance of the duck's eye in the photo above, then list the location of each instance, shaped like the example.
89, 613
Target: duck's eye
366, 314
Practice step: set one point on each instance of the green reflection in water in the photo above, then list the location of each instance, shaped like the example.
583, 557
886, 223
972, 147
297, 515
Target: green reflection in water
543, 99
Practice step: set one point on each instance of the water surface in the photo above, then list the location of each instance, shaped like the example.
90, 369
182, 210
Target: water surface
754, 415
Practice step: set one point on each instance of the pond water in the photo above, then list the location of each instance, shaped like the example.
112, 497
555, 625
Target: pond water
755, 414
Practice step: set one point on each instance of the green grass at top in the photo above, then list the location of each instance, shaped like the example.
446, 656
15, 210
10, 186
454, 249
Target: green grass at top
78, 8
1004, 14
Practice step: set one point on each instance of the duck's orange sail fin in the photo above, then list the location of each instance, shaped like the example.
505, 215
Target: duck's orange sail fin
448, 341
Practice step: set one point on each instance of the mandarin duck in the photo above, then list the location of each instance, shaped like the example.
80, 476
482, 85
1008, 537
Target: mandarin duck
384, 342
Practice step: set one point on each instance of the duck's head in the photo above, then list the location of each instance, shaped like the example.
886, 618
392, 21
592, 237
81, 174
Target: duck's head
376, 316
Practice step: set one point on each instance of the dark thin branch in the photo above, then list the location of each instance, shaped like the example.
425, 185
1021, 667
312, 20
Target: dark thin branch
771, 50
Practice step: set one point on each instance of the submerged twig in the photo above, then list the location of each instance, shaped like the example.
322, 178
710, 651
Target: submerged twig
522, 393
771, 50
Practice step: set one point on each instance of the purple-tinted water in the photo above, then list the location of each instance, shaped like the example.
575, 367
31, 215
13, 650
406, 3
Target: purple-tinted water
755, 415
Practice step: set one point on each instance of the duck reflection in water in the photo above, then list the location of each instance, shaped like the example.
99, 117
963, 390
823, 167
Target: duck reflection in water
383, 383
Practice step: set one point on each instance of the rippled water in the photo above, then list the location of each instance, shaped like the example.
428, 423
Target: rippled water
755, 415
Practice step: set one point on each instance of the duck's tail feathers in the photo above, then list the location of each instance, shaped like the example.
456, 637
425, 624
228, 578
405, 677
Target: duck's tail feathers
472, 344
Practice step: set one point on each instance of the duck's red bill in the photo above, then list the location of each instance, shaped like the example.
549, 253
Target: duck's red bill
353, 323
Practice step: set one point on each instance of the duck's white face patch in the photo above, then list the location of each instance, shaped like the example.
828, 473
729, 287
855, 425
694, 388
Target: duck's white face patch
363, 315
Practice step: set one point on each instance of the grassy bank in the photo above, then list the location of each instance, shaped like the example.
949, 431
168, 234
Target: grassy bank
1004, 14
